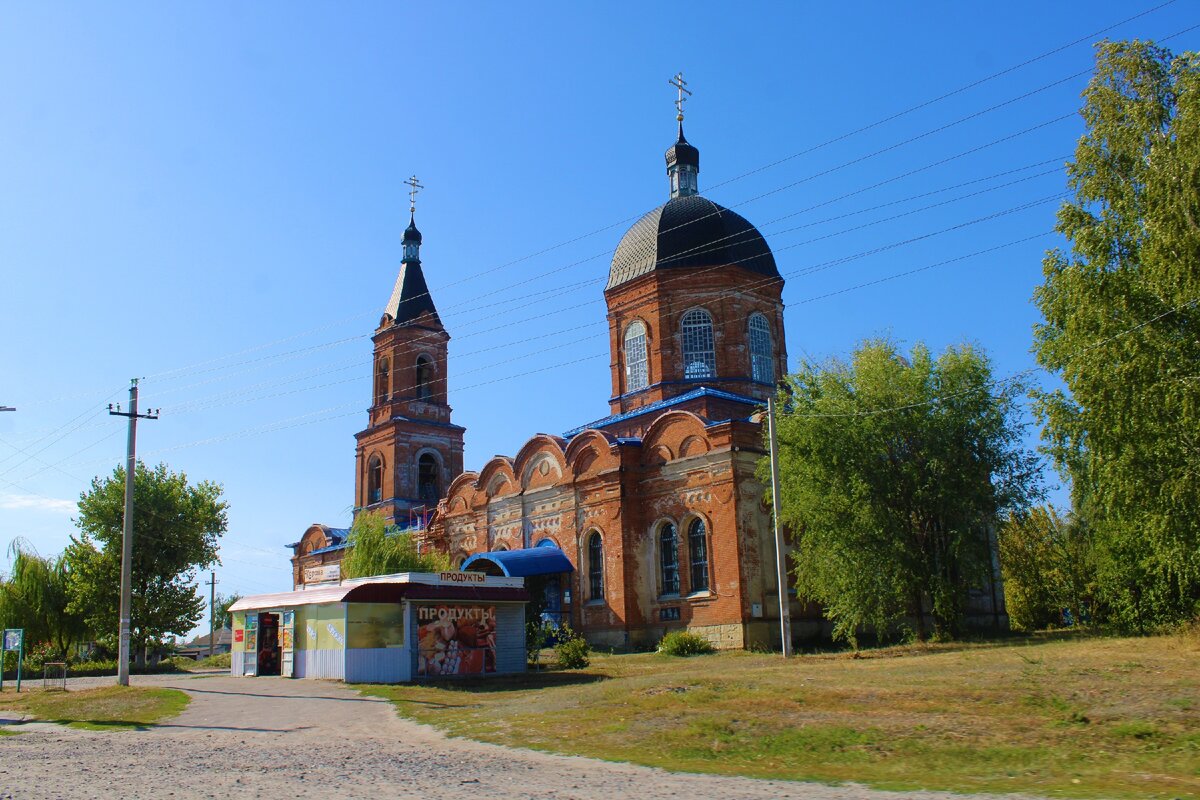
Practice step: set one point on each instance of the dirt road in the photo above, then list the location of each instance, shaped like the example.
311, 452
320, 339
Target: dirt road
268, 737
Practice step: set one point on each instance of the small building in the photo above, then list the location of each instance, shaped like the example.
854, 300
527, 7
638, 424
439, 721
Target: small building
198, 648
385, 629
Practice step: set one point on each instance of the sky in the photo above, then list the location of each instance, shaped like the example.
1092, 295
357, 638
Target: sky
211, 198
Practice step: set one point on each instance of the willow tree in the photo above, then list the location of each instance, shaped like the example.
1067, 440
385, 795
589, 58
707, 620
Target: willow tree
1122, 330
36, 597
895, 470
377, 550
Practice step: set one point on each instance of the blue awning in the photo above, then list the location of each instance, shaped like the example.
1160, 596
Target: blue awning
521, 563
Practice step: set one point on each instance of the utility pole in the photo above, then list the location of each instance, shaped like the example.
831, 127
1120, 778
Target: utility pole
785, 618
212, 609
127, 533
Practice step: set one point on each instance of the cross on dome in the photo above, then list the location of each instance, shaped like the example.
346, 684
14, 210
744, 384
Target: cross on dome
679, 83
414, 187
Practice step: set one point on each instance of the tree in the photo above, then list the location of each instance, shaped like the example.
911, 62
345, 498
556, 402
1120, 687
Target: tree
1049, 569
1122, 331
893, 471
375, 550
177, 529
221, 615
36, 597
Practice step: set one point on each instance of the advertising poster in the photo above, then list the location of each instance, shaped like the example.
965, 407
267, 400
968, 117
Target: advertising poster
456, 640
374, 625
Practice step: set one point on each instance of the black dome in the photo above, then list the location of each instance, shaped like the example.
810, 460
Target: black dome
690, 232
411, 234
683, 152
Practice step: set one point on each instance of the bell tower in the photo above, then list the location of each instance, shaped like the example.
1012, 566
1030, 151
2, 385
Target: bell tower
409, 451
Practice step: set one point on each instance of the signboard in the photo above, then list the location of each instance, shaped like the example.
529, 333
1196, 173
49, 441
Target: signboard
14, 640
323, 573
462, 577
455, 640
239, 635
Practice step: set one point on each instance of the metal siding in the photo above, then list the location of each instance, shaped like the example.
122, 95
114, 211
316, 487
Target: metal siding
324, 664
377, 665
510, 638
235, 662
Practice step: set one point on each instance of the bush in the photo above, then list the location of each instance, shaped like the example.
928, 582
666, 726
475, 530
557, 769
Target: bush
685, 643
572, 653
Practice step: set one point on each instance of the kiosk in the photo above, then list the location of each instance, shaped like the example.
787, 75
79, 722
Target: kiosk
385, 629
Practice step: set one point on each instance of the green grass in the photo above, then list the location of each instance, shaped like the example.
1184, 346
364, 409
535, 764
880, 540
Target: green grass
1055, 716
105, 708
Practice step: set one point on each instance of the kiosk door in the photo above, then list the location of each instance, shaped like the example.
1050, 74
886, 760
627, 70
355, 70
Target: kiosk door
250, 662
287, 635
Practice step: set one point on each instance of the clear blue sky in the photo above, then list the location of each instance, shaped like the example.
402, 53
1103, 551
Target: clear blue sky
211, 197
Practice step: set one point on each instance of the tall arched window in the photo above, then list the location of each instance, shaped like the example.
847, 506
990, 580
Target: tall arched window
374, 479
762, 354
595, 549
381, 382
698, 551
424, 384
668, 558
427, 479
637, 369
699, 355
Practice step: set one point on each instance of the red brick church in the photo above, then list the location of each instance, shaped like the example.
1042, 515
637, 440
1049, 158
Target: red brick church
646, 520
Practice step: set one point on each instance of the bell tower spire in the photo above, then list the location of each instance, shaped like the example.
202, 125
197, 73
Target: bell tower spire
683, 160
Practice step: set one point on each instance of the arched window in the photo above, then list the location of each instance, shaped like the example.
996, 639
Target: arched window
762, 355
374, 479
698, 550
595, 550
424, 378
699, 355
668, 558
381, 382
427, 479
637, 369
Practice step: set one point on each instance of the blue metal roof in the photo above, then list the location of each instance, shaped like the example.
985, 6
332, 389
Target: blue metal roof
703, 391
541, 560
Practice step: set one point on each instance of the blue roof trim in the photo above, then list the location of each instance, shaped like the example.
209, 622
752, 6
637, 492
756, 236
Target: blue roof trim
703, 391
330, 549
525, 563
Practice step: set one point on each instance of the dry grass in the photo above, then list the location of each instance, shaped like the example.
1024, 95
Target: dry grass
105, 708
1061, 717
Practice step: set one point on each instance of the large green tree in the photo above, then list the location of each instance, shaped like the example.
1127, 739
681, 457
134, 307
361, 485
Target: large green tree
894, 470
376, 550
177, 528
221, 618
1122, 330
36, 597
1049, 569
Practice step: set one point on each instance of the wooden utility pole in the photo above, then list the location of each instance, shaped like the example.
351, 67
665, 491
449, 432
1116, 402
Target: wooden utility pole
127, 533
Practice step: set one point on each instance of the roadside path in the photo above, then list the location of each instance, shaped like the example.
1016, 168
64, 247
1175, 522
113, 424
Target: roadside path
269, 737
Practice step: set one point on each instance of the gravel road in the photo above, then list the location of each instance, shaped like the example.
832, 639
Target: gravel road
270, 737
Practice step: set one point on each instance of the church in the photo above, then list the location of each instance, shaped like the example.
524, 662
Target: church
646, 520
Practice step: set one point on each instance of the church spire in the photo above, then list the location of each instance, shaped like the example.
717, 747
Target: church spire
683, 160
410, 296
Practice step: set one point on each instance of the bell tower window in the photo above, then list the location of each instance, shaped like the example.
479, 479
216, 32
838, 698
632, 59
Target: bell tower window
427, 479
762, 355
381, 382
424, 383
637, 373
699, 353
374, 480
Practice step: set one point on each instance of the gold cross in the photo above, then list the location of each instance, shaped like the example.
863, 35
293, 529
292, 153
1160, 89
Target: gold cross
678, 82
415, 187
